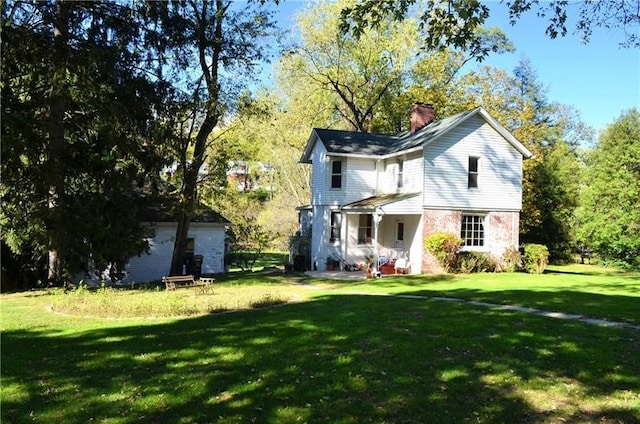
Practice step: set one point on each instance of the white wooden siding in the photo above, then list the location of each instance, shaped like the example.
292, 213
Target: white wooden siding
360, 178
446, 170
412, 205
319, 175
209, 242
412, 174
151, 266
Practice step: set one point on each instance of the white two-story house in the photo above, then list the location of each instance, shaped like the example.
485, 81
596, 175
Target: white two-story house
381, 195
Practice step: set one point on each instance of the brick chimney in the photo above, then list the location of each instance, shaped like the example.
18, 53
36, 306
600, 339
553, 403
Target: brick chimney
422, 114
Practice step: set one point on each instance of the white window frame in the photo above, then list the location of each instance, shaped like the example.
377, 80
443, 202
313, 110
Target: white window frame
473, 175
333, 174
335, 221
474, 233
366, 230
400, 173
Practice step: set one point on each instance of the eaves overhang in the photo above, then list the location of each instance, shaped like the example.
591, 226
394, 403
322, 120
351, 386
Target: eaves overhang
370, 204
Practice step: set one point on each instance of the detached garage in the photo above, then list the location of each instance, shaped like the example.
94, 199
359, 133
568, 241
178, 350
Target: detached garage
206, 238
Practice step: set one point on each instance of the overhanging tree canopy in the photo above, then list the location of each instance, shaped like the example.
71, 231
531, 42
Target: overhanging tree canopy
77, 111
452, 23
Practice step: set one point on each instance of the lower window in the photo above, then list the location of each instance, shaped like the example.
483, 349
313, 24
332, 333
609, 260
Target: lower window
334, 234
364, 228
472, 232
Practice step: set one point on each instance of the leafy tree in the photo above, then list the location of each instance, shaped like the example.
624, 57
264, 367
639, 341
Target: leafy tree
552, 197
356, 74
609, 215
209, 50
268, 140
369, 81
77, 113
452, 23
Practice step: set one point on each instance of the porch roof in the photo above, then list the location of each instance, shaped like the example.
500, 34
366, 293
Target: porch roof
370, 204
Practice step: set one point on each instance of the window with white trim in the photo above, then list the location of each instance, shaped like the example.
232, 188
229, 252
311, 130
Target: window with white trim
365, 223
472, 231
474, 171
336, 174
400, 173
334, 233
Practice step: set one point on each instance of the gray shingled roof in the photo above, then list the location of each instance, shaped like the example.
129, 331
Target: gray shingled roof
364, 144
350, 142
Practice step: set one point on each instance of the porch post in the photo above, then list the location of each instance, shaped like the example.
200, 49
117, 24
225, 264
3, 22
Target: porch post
377, 217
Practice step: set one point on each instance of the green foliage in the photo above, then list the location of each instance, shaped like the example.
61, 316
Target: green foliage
454, 23
511, 260
352, 76
552, 192
536, 258
445, 247
78, 130
247, 236
470, 261
610, 212
155, 302
209, 51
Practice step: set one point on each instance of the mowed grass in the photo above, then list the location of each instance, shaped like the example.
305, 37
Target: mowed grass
341, 357
577, 289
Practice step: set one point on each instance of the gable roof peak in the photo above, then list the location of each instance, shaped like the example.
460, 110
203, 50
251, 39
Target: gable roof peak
351, 143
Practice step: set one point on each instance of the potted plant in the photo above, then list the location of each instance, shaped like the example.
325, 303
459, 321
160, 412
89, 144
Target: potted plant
330, 263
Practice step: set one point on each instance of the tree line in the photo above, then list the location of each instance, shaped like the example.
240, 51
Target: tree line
98, 98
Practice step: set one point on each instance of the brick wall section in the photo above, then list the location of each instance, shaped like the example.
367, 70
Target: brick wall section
501, 232
437, 221
504, 227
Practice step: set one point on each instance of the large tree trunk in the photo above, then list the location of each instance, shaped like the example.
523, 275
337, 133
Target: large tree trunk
187, 207
56, 133
190, 195
211, 116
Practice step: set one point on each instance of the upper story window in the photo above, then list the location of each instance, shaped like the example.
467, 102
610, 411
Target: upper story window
474, 161
472, 231
400, 173
336, 174
364, 228
334, 233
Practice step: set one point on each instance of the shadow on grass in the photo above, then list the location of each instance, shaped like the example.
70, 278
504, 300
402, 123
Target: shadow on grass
592, 305
342, 358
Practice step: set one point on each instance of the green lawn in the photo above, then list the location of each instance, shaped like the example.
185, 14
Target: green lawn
345, 357
579, 289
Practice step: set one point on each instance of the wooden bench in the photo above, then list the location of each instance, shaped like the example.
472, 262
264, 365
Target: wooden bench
184, 281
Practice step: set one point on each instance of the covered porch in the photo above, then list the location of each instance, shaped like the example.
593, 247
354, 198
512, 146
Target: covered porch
385, 231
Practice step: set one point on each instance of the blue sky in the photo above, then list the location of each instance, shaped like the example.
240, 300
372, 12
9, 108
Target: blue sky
599, 79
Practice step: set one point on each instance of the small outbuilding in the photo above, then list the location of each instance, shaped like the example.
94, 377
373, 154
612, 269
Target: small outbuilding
206, 248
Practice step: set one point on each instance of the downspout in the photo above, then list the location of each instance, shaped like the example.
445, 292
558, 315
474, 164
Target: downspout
377, 187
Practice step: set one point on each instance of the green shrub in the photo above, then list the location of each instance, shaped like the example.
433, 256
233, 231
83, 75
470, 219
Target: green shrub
536, 258
511, 260
468, 262
444, 246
